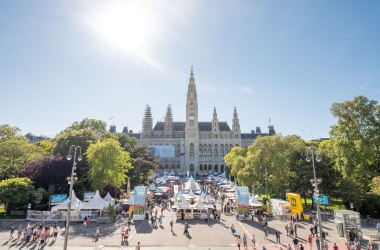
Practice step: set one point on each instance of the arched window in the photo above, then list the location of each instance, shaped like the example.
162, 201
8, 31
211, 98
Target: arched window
178, 166
226, 149
201, 167
216, 168
191, 167
209, 150
222, 169
200, 150
209, 167
173, 166
166, 166
191, 149
215, 150
222, 150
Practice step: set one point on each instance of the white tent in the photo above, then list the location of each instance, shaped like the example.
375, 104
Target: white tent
254, 202
200, 205
184, 205
109, 199
75, 204
96, 203
191, 184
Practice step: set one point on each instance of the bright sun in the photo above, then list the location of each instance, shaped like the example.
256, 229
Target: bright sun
129, 26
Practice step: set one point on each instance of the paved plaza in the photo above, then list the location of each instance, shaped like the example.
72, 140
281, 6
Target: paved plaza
215, 235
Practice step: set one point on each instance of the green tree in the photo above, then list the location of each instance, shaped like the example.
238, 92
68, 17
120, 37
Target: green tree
98, 126
375, 185
355, 141
46, 147
127, 142
15, 153
82, 137
7, 131
144, 164
108, 164
15, 191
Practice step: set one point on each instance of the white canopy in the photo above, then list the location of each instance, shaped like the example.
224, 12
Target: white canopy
75, 204
254, 202
191, 184
200, 205
109, 199
191, 194
96, 203
184, 204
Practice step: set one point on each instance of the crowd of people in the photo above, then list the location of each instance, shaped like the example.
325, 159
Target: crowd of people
40, 234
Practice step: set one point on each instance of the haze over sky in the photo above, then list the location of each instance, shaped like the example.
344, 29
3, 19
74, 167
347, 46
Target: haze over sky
63, 61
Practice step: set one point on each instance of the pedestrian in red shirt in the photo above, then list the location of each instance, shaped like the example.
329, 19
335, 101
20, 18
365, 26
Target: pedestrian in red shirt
310, 241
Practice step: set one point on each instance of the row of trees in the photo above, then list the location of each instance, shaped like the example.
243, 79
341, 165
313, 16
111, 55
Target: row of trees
109, 160
350, 166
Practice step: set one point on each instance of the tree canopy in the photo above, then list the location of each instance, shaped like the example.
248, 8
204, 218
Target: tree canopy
109, 164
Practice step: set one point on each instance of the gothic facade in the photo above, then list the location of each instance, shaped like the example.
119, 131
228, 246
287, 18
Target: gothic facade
199, 147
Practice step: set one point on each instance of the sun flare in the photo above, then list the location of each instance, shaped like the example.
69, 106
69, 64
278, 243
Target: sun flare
129, 26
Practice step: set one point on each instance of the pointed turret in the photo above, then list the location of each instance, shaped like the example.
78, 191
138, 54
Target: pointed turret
215, 121
147, 122
192, 103
235, 124
168, 121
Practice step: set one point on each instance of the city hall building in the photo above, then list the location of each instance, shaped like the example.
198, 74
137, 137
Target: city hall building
193, 146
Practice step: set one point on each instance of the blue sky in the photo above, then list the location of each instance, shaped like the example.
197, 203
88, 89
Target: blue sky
62, 61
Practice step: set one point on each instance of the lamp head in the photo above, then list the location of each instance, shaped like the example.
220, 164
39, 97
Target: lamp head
318, 159
69, 157
80, 158
308, 159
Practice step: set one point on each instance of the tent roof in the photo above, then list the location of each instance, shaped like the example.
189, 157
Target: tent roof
200, 204
184, 204
109, 198
191, 184
75, 204
96, 202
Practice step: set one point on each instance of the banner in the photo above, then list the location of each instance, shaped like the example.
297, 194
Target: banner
295, 203
322, 200
87, 196
57, 198
242, 196
33, 215
139, 196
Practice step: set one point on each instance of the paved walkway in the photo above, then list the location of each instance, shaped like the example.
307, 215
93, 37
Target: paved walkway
215, 235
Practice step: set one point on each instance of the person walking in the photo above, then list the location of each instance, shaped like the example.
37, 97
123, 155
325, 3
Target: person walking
278, 235
253, 241
12, 231
97, 233
171, 226
310, 242
301, 247
238, 241
295, 243
265, 232
138, 246
335, 247
245, 241
186, 227
318, 243
287, 229
122, 232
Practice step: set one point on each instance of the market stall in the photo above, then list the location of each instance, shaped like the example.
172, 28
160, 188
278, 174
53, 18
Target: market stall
348, 224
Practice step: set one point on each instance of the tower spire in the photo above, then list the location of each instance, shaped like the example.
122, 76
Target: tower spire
147, 122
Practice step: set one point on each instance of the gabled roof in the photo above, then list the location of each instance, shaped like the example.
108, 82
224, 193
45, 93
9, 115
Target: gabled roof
177, 126
207, 126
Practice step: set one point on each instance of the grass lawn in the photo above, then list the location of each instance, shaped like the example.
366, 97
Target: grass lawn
335, 204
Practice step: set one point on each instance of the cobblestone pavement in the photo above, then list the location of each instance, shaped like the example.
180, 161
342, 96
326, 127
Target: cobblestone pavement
215, 235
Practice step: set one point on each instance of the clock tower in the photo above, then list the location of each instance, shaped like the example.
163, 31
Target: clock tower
191, 128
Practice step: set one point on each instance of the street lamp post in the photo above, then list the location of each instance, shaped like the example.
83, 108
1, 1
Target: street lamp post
316, 191
71, 180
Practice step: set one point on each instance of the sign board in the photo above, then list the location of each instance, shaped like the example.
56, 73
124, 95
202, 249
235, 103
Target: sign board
57, 198
87, 196
295, 203
164, 151
322, 200
139, 196
242, 196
